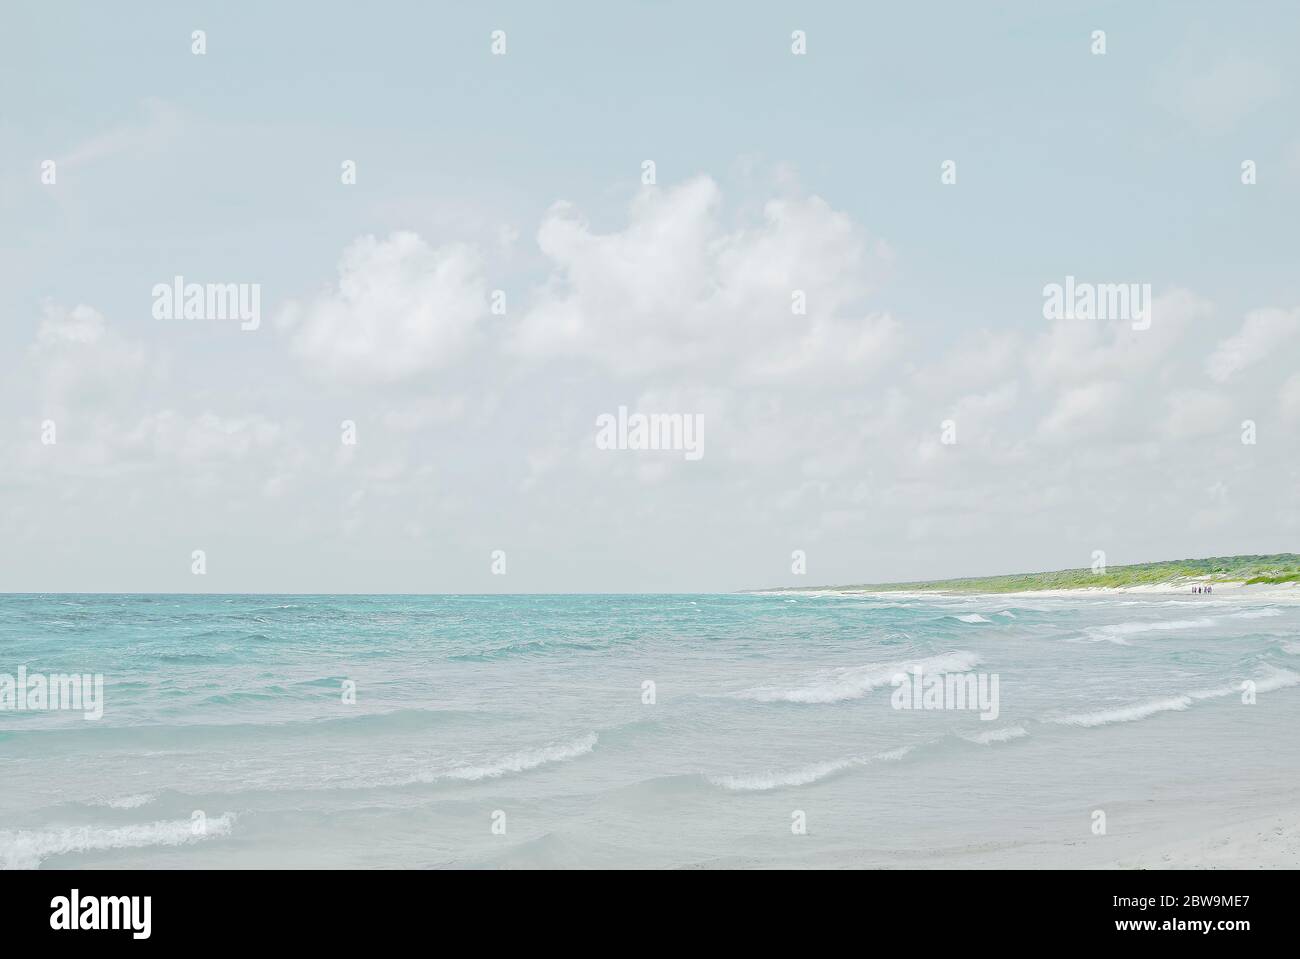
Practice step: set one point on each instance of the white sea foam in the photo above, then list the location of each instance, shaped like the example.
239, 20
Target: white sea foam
973, 618
855, 683
805, 774
126, 802
28, 848
1117, 632
1258, 613
520, 761
1005, 734
1007, 613
1292, 648
1124, 714
774, 780
465, 771
1199, 601
1277, 679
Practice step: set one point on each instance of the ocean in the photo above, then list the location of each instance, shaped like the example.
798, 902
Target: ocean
642, 730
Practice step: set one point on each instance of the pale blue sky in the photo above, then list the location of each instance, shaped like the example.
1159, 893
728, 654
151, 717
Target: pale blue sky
225, 167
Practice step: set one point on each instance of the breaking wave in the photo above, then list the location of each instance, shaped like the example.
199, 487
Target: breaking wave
855, 683
517, 762
1118, 632
1276, 679
28, 848
1005, 734
804, 775
1258, 613
126, 802
1124, 714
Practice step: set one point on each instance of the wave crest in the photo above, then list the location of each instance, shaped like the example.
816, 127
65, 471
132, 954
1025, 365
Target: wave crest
28, 848
1263, 613
855, 683
761, 782
1005, 734
1117, 632
1124, 714
126, 802
520, 761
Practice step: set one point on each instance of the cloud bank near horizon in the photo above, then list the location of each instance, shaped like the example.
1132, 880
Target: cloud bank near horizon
425, 389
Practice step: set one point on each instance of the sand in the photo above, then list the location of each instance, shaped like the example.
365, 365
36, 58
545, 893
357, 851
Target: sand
1272, 842
1260, 592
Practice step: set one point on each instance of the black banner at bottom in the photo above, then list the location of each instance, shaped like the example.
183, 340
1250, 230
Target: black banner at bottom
913, 909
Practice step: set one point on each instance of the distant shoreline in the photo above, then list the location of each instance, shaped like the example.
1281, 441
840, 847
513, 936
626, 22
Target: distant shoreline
1274, 574
1284, 592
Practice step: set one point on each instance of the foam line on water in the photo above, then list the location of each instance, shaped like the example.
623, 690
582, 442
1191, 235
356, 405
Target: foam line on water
28, 848
804, 775
522, 761
844, 684
1275, 680
1119, 632
1002, 735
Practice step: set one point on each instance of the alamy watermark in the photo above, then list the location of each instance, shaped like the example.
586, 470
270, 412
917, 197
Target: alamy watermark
1098, 301
38, 692
651, 431
976, 691
179, 300
74, 912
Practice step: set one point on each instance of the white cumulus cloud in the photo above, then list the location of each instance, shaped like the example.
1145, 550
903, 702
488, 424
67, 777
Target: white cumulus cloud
400, 308
678, 289
1263, 331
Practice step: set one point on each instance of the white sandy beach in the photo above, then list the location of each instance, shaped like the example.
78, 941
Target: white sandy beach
1259, 592
1270, 842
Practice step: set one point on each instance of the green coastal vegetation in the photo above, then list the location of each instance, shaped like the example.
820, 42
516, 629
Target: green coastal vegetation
1250, 570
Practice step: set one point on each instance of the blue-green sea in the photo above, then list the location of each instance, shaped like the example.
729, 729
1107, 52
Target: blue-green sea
640, 730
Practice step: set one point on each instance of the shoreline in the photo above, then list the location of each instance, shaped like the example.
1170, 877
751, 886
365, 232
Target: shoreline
1260, 592
1263, 842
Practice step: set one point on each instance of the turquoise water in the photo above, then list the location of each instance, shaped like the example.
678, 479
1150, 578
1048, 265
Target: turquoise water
530, 712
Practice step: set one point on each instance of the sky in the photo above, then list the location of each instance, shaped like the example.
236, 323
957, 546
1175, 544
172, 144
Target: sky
821, 231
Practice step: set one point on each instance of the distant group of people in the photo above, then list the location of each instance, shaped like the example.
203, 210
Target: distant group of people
1202, 589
